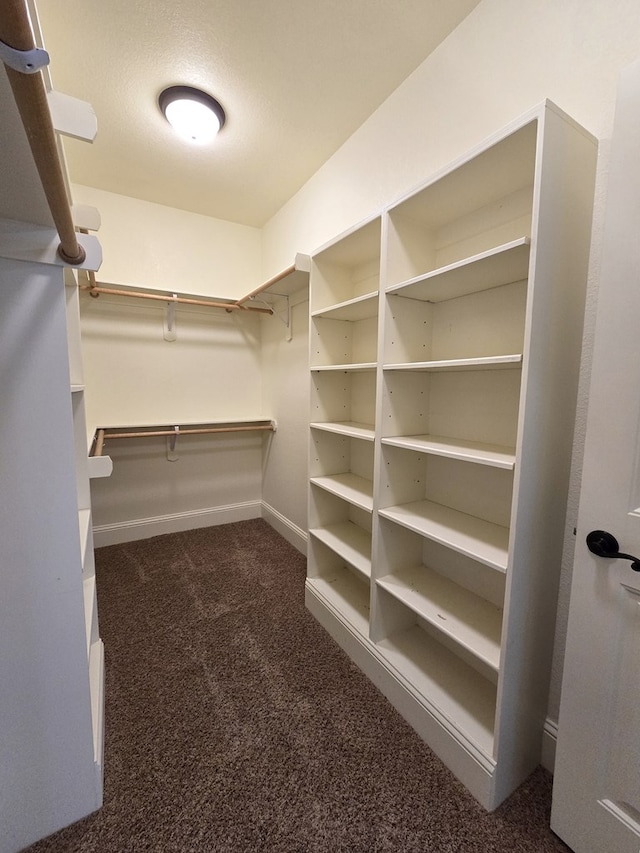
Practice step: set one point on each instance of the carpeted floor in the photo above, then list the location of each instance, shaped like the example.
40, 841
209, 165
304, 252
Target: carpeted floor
234, 723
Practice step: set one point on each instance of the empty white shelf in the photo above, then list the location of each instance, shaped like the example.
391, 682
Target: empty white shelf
476, 538
84, 521
496, 362
350, 542
356, 490
493, 268
473, 623
456, 448
353, 429
352, 368
90, 608
345, 595
454, 690
359, 308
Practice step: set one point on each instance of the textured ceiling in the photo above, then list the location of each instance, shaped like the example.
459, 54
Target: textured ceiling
296, 78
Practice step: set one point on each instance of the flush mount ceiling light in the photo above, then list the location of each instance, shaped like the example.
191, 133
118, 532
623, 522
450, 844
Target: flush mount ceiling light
193, 114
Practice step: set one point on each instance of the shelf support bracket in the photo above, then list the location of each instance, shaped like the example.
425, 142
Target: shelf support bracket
283, 314
169, 331
172, 454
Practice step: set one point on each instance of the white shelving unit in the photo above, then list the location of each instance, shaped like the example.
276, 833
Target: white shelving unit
95, 650
444, 354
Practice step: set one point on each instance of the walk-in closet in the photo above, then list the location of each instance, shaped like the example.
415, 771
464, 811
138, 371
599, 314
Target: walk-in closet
294, 422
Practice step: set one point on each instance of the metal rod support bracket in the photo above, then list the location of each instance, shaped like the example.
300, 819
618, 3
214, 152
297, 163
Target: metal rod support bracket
24, 61
172, 454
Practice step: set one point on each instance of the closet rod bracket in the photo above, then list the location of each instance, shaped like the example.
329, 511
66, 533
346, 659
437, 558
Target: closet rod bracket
24, 61
283, 315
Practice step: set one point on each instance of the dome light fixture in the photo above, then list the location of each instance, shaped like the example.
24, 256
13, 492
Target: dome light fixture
193, 114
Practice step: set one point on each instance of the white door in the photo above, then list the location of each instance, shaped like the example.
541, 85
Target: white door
596, 801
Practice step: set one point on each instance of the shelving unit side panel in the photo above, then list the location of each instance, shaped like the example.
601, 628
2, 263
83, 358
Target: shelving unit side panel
564, 194
73, 327
80, 450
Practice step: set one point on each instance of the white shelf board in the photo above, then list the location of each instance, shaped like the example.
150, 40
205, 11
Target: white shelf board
99, 466
359, 308
493, 268
353, 429
76, 388
96, 687
89, 595
356, 490
476, 538
455, 691
493, 455
346, 596
495, 362
84, 521
350, 542
473, 623
350, 368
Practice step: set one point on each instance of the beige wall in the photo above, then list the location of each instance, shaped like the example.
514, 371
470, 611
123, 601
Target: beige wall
151, 245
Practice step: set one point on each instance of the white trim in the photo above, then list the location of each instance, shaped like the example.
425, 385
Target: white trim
295, 535
144, 528
549, 743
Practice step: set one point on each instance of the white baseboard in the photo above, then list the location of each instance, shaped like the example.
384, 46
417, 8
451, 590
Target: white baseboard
144, 528
295, 535
549, 741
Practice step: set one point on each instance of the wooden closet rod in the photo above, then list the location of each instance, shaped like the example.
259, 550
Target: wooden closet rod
102, 435
96, 289
31, 100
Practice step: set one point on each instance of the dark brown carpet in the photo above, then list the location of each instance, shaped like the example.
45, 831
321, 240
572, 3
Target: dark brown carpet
234, 723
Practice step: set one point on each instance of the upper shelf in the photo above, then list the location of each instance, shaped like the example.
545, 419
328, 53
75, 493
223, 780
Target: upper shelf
502, 265
359, 308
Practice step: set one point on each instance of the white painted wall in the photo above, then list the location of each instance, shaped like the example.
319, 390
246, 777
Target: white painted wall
502, 59
133, 377
154, 246
286, 396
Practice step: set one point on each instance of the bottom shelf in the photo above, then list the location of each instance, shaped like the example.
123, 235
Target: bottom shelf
346, 595
453, 689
